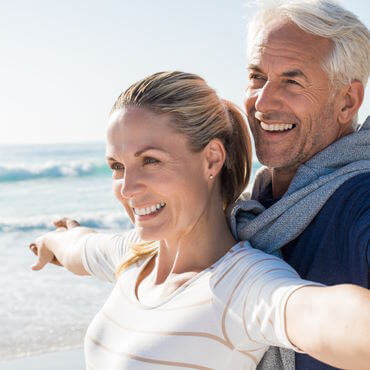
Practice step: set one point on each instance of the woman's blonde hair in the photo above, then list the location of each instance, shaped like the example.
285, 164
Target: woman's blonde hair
201, 115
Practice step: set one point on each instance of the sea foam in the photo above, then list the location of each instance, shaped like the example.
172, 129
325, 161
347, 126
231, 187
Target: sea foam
97, 220
52, 169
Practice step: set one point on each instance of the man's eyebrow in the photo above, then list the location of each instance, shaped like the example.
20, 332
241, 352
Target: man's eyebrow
255, 68
290, 73
294, 73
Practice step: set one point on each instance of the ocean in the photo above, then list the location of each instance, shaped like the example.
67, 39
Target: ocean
50, 309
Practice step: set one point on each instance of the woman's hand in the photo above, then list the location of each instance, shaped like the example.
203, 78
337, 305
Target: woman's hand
44, 255
66, 223
60, 247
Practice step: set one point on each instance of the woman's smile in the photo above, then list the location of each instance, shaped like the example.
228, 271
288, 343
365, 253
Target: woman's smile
148, 212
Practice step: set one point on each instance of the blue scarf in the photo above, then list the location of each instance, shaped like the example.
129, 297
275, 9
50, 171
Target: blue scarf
314, 183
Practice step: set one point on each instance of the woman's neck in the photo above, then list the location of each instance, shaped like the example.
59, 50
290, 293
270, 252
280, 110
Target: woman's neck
183, 256
195, 250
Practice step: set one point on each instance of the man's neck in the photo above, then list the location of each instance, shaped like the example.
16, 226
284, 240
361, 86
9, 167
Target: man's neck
281, 179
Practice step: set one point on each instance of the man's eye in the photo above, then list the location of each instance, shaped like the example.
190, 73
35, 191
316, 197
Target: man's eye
256, 80
254, 76
150, 160
292, 82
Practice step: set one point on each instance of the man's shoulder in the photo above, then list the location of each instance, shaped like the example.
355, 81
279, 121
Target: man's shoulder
333, 248
356, 190
348, 206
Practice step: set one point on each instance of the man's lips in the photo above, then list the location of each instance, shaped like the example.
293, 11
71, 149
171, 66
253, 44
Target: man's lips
275, 121
276, 127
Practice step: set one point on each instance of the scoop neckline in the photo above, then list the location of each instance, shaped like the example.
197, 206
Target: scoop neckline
183, 286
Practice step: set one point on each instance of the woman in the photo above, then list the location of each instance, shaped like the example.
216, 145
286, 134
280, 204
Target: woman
187, 295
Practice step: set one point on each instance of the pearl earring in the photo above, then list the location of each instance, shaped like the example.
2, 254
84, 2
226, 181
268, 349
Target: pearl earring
211, 177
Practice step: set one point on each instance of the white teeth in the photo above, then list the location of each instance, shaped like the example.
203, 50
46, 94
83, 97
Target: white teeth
148, 210
276, 127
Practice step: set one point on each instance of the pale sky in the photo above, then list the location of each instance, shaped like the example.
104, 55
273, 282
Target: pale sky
63, 63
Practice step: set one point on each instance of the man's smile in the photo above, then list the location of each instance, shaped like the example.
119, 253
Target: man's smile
276, 127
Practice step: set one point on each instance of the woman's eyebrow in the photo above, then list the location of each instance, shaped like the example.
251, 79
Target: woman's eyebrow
147, 148
139, 152
110, 159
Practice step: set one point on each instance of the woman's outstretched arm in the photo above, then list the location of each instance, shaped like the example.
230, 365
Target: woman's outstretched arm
331, 324
62, 247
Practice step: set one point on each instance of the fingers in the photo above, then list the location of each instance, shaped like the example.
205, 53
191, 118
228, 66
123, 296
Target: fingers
66, 222
40, 249
59, 223
72, 223
40, 262
43, 254
33, 248
61, 228
38, 265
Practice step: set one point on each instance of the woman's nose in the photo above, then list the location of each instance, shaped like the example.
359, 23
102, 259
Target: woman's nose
131, 185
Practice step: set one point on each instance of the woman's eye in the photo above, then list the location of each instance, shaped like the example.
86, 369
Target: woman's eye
117, 166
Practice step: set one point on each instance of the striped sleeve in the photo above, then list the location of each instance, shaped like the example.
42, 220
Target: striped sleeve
101, 254
251, 289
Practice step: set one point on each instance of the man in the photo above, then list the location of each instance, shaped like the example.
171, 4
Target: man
309, 61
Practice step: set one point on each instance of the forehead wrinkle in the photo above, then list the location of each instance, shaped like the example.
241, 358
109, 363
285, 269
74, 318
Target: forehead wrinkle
282, 38
286, 63
282, 50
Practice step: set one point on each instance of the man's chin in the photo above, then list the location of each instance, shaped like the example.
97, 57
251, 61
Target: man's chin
276, 161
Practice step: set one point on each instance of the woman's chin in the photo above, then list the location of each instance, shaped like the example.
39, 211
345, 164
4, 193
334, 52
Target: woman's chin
147, 235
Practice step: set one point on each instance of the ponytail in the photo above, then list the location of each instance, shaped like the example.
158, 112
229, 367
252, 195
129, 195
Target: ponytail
237, 167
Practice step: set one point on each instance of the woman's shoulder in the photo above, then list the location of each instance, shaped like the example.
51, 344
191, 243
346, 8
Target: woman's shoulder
244, 263
102, 252
243, 251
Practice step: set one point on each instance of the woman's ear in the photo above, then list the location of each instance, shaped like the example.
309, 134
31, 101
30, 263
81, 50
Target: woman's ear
215, 155
350, 100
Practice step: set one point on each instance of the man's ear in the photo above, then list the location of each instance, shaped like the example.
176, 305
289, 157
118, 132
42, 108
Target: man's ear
351, 97
215, 155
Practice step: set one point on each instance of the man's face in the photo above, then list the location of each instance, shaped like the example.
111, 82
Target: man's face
290, 108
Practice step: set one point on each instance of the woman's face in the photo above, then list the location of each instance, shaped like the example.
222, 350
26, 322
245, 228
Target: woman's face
162, 183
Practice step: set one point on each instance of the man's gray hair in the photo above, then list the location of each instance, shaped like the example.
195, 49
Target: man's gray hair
349, 58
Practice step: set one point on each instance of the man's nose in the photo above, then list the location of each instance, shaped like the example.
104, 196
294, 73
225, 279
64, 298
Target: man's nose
268, 98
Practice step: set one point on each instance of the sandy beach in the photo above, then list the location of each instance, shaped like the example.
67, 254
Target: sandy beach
71, 360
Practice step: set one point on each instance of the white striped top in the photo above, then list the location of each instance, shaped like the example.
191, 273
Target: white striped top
225, 317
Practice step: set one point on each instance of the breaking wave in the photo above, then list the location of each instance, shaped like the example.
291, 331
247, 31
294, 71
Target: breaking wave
117, 221
22, 172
